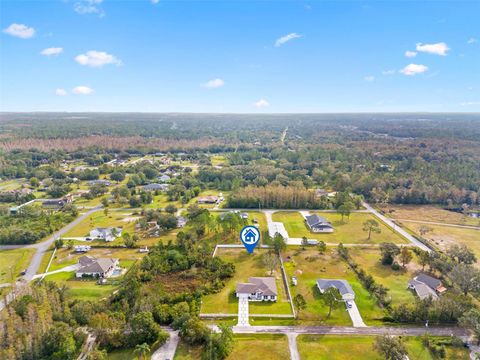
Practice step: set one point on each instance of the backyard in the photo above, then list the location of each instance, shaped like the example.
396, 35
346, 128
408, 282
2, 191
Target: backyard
347, 231
246, 265
309, 266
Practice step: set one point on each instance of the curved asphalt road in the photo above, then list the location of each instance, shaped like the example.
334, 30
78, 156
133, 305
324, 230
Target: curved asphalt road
42, 248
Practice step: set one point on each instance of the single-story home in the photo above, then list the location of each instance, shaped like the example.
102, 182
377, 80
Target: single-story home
210, 199
92, 267
426, 286
107, 234
258, 289
164, 178
342, 285
318, 224
155, 186
54, 203
99, 182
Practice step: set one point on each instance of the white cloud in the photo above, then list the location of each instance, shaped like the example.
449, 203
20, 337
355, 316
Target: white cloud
60, 92
369, 78
262, 103
287, 38
214, 84
51, 51
437, 49
20, 30
97, 59
82, 90
388, 72
470, 103
472, 41
413, 69
89, 7
410, 54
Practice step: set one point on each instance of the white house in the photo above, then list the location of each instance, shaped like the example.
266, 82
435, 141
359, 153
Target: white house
258, 289
342, 285
92, 267
107, 234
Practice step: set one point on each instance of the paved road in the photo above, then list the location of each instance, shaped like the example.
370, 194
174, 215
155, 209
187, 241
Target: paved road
42, 248
396, 228
345, 330
167, 350
442, 224
292, 346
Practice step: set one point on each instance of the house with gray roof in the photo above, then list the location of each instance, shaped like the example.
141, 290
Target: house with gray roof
107, 234
426, 286
258, 289
318, 224
98, 268
155, 187
164, 178
343, 287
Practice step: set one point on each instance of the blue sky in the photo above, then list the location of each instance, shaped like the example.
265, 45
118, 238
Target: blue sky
239, 56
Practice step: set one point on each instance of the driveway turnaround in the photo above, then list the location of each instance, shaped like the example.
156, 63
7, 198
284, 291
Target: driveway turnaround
355, 315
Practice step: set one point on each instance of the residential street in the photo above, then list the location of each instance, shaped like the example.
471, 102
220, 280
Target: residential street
348, 330
396, 227
42, 248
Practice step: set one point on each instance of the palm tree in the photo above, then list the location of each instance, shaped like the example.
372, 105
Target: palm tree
142, 350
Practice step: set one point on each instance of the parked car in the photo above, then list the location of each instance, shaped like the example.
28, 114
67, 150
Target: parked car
349, 304
24, 272
294, 280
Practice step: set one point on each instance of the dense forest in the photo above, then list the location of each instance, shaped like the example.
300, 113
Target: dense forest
387, 158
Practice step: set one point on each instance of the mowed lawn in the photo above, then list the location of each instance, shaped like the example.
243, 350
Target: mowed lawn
428, 213
246, 265
81, 289
331, 347
65, 257
260, 347
348, 231
124, 219
12, 262
309, 266
396, 281
446, 236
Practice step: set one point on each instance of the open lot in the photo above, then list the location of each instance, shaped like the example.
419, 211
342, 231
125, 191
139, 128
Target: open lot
330, 347
81, 289
428, 213
12, 262
396, 281
445, 236
348, 231
260, 347
124, 219
246, 265
308, 266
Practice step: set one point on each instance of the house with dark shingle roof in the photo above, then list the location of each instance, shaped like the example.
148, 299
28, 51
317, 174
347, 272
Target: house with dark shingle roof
92, 267
318, 224
426, 286
258, 289
343, 287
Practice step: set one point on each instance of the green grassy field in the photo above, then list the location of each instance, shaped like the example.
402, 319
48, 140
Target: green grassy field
187, 352
330, 347
396, 281
126, 354
348, 231
12, 262
81, 289
309, 266
246, 265
124, 219
260, 347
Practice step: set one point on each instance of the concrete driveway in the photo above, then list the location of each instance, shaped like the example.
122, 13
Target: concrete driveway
355, 315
